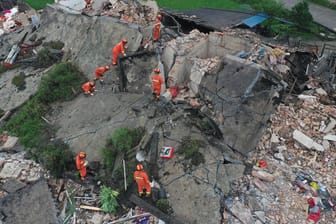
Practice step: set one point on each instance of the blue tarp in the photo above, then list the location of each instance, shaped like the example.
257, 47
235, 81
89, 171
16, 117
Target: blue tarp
255, 20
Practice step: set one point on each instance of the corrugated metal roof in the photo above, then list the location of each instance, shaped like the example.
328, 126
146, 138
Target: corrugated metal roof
255, 20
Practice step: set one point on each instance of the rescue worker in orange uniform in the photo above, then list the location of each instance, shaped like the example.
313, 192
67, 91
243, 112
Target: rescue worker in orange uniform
157, 28
142, 180
119, 48
157, 81
81, 164
99, 73
89, 88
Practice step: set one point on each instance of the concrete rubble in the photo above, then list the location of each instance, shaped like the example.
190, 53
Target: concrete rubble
278, 200
229, 91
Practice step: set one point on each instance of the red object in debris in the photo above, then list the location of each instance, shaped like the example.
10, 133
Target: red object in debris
315, 217
174, 91
167, 152
311, 202
262, 163
7, 65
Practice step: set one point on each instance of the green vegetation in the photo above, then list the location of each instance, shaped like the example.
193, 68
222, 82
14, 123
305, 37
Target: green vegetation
46, 58
108, 199
190, 148
38, 4
60, 84
19, 81
163, 205
28, 124
194, 4
121, 141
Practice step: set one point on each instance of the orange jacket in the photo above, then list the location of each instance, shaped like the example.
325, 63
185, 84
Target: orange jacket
156, 29
142, 180
80, 162
100, 71
119, 48
157, 82
88, 87
80, 165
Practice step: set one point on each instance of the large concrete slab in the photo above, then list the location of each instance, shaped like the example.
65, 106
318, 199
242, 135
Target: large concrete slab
32, 204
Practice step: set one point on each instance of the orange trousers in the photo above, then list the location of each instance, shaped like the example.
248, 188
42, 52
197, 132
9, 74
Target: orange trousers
82, 173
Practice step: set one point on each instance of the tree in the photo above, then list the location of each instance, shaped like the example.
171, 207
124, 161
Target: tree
301, 15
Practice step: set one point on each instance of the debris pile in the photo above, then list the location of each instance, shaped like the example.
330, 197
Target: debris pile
13, 19
16, 167
131, 12
299, 181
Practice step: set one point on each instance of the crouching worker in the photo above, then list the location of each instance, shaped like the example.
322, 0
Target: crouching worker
89, 88
81, 164
142, 180
99, 73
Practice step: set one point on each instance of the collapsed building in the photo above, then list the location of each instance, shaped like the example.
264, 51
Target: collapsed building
226, 85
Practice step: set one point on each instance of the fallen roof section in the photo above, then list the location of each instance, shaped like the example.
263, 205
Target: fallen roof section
217, 19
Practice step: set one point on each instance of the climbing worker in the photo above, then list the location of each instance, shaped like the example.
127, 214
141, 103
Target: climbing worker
142, 180
81, 164
89, 88
157, 28
119, 48
157, 81
99, 73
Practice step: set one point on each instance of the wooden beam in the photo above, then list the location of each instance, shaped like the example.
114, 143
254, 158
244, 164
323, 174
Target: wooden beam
91, 208
129, 218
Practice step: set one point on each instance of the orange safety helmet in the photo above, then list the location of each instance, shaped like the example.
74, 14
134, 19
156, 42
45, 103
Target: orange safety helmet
107, 67
124, 41
157, 70
139, 167
82, 155
159, 16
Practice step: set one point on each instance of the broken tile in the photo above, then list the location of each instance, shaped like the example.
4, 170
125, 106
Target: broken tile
330, 137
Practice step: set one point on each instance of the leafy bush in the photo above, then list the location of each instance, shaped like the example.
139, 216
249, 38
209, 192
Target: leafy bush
109, 155
56, 158
301, 16
190, 148
108, 199
19, 81
125, 138
60, 83
47, 57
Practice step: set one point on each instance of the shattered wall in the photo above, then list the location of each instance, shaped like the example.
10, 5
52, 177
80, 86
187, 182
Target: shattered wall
240, 97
